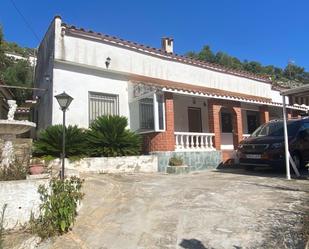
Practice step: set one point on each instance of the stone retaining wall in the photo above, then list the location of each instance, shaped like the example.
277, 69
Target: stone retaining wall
126, 164
197, 160
22, 148
22, 199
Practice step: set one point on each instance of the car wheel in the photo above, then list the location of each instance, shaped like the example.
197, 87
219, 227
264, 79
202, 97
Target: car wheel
297, 160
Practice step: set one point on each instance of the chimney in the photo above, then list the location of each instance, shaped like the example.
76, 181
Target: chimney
167, 44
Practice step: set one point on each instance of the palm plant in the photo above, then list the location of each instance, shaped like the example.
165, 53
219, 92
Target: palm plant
49, 142
108, 136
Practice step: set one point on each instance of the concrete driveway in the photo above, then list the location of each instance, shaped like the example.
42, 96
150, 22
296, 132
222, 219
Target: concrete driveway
218, 209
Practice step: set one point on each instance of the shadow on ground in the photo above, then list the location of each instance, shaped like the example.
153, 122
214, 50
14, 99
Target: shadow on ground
229, 167
192, 244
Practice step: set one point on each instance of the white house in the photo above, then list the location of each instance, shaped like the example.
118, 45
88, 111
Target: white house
177, 103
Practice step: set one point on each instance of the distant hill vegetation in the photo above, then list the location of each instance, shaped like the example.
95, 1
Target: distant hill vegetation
290, 76
16, 72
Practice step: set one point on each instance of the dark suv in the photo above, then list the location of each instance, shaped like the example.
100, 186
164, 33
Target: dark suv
265, 147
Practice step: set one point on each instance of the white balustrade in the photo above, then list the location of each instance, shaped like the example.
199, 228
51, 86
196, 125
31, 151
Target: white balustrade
194, 141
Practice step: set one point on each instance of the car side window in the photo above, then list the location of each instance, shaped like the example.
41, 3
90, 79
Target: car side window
305, 126
305, 129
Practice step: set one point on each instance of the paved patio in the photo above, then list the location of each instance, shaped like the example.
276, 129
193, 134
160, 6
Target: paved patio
226, 209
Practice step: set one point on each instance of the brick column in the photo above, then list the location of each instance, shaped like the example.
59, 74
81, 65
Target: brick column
214, 121
264, 114
289, 113
163, 141
237, 126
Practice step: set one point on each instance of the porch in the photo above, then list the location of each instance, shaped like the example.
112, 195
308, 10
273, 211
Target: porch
205, 124
183, 121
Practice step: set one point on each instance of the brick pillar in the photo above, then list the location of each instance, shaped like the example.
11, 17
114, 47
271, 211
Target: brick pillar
214, 121
163, 141
264, 114
289, 113
237, 126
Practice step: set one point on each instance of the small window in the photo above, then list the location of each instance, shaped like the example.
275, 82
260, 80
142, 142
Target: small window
102, 104
146, 114
226, 122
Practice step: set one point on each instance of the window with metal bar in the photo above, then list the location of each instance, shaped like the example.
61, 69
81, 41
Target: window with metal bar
102, 104
146, 114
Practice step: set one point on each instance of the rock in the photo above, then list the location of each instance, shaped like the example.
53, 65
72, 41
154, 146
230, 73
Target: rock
30, 243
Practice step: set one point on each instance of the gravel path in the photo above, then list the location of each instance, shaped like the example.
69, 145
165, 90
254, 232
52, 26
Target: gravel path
212, 210
195, 211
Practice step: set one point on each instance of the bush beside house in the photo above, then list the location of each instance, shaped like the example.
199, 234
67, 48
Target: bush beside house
49, 142
107, 137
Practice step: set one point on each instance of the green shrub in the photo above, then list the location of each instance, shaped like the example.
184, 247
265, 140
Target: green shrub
48, 158
49, 142
58, 208
108, 136
175, 161
16, 171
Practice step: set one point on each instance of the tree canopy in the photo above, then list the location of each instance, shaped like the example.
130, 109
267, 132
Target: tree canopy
291, 75
16, 72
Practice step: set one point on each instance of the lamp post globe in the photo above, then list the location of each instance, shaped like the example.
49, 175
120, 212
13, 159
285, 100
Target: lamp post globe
64, 101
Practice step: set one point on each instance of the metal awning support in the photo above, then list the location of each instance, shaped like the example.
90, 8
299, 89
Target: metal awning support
288, 158
302, 91
286, 141
22, 87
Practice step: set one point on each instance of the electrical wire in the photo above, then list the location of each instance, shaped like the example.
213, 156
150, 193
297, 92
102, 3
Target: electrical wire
25, 20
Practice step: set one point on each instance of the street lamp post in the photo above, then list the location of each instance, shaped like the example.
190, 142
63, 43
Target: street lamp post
64, 101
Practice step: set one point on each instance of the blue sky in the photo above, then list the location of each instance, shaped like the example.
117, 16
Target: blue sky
269, 31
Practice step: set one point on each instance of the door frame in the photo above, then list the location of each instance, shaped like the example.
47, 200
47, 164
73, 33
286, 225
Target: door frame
201, 120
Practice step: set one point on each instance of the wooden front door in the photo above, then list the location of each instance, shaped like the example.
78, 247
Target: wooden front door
195, 119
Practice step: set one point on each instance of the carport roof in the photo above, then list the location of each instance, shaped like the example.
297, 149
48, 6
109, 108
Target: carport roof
298, 96
302, 91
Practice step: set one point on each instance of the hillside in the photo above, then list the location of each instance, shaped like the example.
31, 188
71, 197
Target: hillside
290, 76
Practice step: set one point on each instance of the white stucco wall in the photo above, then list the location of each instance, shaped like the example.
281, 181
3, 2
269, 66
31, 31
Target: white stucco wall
78, 82
181, 104
276, 97
22, 199
112, 165
94, 53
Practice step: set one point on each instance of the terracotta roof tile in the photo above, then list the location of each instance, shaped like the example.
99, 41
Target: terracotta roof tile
197, 89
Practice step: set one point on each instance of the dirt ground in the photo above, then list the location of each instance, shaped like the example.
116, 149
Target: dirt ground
214, 209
